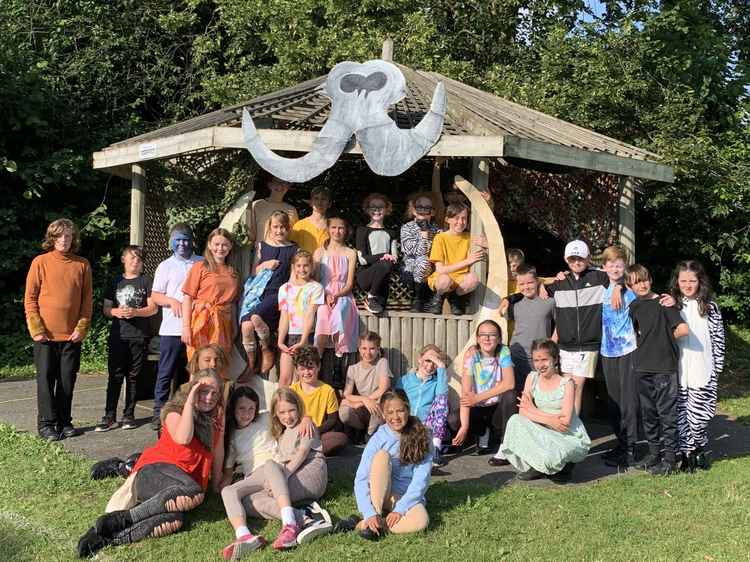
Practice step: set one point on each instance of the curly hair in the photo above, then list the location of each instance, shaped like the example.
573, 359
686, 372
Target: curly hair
306, 356
56, 229
415, 439
705, 292
284, 394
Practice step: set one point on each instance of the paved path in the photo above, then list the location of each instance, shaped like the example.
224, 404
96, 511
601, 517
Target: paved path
18, 407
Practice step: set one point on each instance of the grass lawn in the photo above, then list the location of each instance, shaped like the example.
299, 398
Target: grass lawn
47, 501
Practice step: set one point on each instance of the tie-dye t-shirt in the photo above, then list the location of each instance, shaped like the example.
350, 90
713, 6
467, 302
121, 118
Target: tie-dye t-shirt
486, 372
296, 299
618, 335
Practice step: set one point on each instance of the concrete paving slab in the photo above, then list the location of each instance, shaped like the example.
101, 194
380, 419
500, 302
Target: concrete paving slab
18, 407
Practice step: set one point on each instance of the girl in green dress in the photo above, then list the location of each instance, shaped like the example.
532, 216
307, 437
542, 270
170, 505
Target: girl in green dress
546, 437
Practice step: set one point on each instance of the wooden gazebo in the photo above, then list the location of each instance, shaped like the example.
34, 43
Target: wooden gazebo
478, 125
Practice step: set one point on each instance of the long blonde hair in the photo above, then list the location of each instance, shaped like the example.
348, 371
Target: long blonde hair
284, 394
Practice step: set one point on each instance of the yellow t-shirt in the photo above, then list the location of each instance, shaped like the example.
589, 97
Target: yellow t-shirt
307, 236
448, 249
319, 403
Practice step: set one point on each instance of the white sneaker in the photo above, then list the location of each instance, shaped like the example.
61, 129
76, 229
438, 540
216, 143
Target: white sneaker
316, 511
314, 530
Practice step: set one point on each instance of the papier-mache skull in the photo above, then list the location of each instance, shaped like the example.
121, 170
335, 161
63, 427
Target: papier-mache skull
361, 95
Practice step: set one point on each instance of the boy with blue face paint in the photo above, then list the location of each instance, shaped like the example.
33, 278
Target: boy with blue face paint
167, 293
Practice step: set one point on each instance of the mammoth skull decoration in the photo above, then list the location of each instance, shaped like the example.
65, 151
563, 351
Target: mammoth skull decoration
361, 95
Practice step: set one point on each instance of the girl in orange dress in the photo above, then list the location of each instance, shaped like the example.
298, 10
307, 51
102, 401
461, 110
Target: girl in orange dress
211, 290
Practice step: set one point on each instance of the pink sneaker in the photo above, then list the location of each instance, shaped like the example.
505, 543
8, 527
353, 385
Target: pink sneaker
287, 537
242, 546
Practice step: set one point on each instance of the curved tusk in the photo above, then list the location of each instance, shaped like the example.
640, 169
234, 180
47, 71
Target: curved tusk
390, 151
326, 149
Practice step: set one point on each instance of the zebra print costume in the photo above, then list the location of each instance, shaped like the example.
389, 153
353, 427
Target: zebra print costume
697, 406
416, 250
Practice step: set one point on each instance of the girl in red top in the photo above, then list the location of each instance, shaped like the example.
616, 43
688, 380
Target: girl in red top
171, 477
211, 290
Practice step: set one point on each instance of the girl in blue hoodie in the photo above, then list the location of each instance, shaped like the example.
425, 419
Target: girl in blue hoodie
394, 472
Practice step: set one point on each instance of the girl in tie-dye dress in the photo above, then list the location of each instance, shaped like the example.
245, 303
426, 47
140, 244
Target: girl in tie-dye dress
299, 300
338, 320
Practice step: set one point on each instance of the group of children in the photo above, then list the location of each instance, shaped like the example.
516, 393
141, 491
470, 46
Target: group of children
660, 355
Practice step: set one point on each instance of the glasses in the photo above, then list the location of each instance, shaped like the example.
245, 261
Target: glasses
422, 209
376, 208
492, 336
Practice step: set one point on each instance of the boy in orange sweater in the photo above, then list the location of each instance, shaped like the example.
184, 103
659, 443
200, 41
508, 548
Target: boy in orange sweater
58, 305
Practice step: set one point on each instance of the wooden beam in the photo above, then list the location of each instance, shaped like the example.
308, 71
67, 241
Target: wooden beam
480, 177
217, 138
138, 206
626, 216
578, 158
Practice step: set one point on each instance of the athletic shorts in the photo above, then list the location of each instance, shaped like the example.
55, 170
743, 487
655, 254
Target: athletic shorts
579, 363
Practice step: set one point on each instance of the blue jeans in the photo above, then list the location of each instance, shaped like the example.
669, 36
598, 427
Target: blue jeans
171, 358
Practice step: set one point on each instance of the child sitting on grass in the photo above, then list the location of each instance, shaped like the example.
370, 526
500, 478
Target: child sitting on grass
297, 471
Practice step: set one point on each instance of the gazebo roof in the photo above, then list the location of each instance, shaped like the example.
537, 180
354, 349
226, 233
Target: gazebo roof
477, 124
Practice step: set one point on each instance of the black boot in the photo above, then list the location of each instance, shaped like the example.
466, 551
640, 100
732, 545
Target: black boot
421, 297
435, 305
455, 303
702, 459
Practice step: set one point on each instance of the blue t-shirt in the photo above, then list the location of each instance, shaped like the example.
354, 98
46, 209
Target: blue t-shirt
618, 335
422, 394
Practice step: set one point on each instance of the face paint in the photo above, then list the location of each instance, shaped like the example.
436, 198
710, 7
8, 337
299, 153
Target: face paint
181, 244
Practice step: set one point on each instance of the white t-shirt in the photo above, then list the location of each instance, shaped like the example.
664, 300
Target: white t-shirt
169, 279
251, 446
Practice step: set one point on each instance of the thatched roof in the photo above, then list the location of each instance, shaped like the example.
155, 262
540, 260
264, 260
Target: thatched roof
477, 124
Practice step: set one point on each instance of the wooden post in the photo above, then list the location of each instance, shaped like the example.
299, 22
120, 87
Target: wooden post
138, 205
387, 54
626, 215
480, 177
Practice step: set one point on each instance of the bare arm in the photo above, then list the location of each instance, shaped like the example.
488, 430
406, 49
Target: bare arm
347, 288
180, 426
474, 256
146, 311
681, 330
218, 462
384, 383
507, 382
187, 314
283, 330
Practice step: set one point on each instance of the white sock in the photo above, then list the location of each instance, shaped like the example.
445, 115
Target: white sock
484, 440
240, 532
287, 516
437, 443
499, 454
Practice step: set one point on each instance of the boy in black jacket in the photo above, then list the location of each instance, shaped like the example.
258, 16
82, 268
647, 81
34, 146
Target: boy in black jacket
655, 365
578, 315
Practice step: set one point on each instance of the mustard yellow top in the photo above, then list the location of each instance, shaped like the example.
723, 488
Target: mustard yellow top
308, 236
448, 249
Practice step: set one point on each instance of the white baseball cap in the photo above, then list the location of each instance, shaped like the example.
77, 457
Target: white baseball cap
576, 248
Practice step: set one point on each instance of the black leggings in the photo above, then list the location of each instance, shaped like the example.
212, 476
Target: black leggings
375, 278
494, 417
157, 488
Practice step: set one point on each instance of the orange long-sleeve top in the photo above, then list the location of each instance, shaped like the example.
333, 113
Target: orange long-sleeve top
58, 298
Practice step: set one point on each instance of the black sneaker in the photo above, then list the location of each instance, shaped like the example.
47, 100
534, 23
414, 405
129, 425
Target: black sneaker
497, 461
49, 434
435, 304
565, 475
156, 422
664, 468
109, 524
703, 460
370, 535
372, 305
106, 424
128, 423
614, 453
456, 303
347, 525
652, 459
90, 543
69, 431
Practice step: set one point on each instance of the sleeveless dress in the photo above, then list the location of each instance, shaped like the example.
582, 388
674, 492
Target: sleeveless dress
268, 309
343, 319
528, 444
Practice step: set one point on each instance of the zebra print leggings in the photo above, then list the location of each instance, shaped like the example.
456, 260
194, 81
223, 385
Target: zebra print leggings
695, 409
